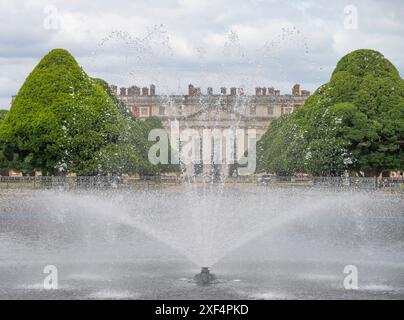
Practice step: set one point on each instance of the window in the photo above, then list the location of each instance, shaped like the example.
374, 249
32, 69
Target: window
253, 110
144, 111
162, 111
271, 111
288, 110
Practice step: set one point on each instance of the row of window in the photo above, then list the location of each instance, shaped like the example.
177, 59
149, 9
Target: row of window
144, 111
271, 110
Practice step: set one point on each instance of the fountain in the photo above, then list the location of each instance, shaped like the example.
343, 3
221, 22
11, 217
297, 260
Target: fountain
205, 277
126, 243
279, 243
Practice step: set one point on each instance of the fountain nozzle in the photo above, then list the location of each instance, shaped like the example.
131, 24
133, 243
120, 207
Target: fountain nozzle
205, 277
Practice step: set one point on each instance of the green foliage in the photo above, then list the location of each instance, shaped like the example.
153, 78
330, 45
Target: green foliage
119, 104
355, 122
64, 121
3, 114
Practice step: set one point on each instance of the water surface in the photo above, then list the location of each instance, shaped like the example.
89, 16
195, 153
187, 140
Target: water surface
262, 244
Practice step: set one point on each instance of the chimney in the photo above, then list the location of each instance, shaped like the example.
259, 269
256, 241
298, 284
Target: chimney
296, 90
190, 90
223, 90
277, 92
232, 91
136, 91
145, 91
257, 91
114, 89
264, 91
271, 91
122, 91
131, 91
210, 91
152, 90
240, 91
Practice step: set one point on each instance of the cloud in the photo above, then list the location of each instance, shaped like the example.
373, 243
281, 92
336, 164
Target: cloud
209, 43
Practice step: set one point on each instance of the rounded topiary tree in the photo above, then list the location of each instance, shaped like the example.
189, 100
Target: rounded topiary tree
354, 122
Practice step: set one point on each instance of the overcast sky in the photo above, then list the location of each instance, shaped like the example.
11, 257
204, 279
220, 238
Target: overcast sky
205, 42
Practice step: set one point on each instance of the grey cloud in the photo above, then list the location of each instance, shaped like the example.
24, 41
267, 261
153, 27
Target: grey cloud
307, 57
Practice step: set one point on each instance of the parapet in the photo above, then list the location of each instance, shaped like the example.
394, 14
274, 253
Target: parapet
135, 91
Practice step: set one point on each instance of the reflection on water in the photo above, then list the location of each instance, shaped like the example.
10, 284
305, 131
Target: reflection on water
283, 244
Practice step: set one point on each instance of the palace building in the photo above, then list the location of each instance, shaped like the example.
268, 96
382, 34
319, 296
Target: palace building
226, 109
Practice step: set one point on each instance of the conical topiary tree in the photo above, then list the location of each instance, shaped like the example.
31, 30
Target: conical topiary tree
60, 120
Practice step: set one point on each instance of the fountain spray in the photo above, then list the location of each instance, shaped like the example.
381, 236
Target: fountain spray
205, 277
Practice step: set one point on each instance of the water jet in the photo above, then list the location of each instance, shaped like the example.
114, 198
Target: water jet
283, 243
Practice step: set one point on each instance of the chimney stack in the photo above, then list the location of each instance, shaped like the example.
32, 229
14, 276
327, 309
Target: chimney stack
131, 91
152, 90
232, 91
223, 90
296, 90
257, 91
264, 91
145, 91
210, 91
122, 91
114, 89
190, 90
